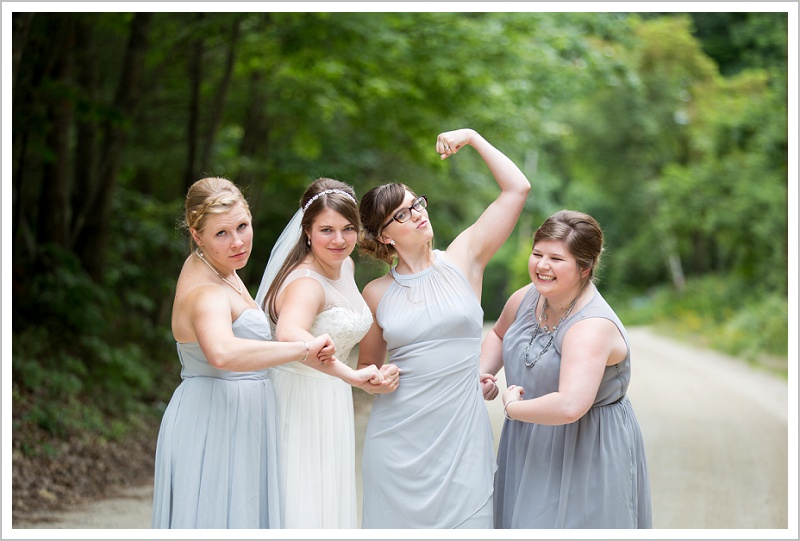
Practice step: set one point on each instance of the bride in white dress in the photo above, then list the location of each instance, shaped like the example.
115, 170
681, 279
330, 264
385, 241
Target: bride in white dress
309, 287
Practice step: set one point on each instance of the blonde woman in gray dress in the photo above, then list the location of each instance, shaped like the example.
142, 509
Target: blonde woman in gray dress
216, 463
309, 285
428, 457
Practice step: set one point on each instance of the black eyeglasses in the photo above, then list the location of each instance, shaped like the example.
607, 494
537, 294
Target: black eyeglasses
403, 215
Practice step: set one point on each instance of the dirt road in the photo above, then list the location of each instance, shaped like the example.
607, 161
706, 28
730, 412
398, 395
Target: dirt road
716, 431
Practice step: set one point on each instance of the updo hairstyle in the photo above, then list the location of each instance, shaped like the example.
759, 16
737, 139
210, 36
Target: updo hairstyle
581, 235
210, 196
376, 208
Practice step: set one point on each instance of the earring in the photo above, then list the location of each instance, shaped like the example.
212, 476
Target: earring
308, 241
391, 242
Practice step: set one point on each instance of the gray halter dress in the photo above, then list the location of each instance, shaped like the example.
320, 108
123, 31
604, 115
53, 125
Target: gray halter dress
591, 473
428, 457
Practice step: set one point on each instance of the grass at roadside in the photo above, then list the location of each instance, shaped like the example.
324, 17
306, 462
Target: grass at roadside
718, 314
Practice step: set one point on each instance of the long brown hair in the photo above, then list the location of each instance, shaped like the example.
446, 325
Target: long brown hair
314, 201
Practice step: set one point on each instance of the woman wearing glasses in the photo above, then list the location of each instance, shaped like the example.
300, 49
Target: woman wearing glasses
571, 453
428, 455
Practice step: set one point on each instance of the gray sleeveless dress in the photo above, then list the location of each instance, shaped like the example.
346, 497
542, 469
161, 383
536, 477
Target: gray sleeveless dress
216, 462
428, 451
591, 473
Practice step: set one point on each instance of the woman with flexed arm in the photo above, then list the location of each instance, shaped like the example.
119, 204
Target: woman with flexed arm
428, 456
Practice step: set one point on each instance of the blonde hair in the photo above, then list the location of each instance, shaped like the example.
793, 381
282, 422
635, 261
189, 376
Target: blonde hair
210, 196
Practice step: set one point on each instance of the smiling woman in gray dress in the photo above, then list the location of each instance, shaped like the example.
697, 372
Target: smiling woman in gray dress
428, 454
571, 452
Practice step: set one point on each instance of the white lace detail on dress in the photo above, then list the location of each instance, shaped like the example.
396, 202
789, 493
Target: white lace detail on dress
344, 326
346, 317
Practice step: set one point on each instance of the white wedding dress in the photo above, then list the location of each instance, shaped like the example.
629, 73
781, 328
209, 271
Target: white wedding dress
316, 433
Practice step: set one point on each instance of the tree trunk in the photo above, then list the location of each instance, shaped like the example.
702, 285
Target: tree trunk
21, 24
195, 69
218, 106
54, 195
85, 177
255, 145
36, 64
674, 263
256, 133
92, 242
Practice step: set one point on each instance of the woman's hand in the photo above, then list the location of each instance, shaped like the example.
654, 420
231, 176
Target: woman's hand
489, 386
367, 376
390, 375
321, 349
448, 143
514, 392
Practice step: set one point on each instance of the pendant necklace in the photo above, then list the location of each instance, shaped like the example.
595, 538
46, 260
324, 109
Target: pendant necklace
540, 325
238, 290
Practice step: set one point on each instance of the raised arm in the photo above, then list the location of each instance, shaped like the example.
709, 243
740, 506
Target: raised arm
475, 246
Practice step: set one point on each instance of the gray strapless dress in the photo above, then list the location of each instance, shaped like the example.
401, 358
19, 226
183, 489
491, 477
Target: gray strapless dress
588, 474
216, 460
428, 457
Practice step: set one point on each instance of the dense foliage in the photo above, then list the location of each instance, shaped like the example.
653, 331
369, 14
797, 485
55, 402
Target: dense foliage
671, 129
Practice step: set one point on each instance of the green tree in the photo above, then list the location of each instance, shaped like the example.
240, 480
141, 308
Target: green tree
621, 115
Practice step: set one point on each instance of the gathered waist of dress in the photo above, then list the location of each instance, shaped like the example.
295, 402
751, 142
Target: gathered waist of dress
610, 402
296, 367
226, 375
195, 364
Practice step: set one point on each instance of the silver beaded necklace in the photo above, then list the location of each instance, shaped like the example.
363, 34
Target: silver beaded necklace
541, 326
238, 290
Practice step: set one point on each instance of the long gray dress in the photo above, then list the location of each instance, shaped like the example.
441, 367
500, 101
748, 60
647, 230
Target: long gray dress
591, 473
428, 452
216, 460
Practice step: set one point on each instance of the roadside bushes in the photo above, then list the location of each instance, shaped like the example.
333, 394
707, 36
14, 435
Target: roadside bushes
723, 313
